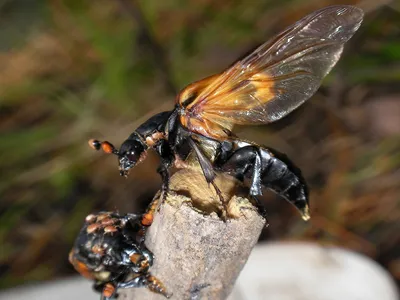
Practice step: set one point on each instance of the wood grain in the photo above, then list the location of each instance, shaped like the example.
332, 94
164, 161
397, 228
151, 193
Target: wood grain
197, 255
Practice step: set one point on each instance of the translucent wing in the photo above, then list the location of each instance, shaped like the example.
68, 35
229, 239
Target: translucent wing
274, 79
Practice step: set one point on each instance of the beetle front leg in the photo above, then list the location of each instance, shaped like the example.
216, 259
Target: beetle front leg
164, 173
167, 159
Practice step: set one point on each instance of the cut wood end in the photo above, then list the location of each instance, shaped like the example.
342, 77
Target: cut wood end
237, 206
192, 184
198, 255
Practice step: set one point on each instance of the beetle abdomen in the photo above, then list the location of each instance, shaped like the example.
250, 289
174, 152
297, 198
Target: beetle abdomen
281, 176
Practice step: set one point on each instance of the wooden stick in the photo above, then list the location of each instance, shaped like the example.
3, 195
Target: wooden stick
197, 255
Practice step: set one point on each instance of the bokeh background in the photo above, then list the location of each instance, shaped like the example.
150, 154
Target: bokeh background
71, 70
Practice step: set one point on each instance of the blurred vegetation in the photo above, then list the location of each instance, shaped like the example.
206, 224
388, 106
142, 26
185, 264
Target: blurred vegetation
72, 70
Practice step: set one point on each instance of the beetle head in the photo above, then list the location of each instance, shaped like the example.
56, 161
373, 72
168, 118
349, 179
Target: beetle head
132, 151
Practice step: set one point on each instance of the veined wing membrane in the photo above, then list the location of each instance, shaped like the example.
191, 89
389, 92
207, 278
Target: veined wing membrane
279, 75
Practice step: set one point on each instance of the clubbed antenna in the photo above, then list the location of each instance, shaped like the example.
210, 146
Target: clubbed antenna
107, 147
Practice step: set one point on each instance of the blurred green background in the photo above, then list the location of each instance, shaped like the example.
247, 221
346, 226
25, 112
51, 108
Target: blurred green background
74, 70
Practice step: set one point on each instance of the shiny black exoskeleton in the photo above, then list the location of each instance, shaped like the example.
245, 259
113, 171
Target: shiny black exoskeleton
244, 160
263, 87
109, 250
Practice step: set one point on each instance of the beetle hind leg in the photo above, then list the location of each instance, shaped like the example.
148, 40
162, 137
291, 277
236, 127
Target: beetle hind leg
222, 200
260, 208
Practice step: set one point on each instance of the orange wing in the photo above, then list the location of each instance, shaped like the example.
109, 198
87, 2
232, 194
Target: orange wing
274, 79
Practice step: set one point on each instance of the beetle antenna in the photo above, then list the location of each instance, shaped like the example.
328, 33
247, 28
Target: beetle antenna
107, 147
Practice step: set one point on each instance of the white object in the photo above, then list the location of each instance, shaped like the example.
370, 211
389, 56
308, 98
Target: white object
305, 271
74, 288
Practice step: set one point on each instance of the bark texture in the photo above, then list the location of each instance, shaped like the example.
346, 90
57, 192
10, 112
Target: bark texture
198, 255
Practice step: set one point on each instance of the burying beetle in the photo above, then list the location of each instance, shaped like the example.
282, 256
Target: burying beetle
110, 251
261, 88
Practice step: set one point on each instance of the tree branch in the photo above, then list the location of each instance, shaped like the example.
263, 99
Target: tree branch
197, 255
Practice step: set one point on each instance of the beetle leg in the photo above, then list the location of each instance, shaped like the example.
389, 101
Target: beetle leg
246, 162
261, 208
109, 291
148, 217
270, 169
255, 188
242, 162
205, 164
135, 233
163, 171
167, 158
141, 221
144, 221
209, 174
156, 286
98, 286
221, 198
147, 280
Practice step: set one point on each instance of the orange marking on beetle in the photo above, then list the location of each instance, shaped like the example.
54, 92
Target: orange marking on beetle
206, 127
150, 141
147, 219
107, 147
189, 94
108, 221
135, 258
154, 138
108, 290
80, 267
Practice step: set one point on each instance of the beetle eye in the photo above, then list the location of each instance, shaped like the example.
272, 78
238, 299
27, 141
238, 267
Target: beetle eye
131, 156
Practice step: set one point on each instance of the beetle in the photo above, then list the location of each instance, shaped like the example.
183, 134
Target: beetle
110, 251
261, 88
